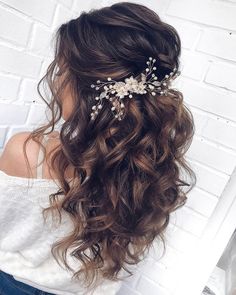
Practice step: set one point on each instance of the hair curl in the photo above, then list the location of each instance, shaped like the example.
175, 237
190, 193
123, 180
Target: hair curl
127, 174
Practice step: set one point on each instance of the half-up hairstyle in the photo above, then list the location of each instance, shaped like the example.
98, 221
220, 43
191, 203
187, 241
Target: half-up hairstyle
129, 174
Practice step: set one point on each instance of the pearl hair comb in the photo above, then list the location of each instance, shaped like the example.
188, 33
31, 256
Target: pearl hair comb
115, 91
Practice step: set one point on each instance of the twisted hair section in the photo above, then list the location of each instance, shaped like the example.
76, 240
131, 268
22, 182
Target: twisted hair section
129, 175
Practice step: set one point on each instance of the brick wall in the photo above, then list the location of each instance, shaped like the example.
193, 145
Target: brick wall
25, 31
208, 64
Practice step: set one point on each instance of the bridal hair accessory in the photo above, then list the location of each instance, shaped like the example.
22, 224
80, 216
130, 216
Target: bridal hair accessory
115, 91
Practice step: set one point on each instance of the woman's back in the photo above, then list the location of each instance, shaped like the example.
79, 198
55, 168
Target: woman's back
25, 241
125, 142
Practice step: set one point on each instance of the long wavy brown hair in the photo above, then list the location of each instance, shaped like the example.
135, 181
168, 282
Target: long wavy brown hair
129, 174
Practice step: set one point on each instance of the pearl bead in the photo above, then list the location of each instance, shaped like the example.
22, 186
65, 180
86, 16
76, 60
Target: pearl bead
93, 107
154, 68
153, 93
113, 108
147, 69
97, 98
99, 106
109, 78
97, 88
155, 78
130, 96
98, 81
92, 86
150, 58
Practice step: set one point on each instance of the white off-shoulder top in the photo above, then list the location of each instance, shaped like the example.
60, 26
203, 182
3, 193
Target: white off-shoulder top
25, 241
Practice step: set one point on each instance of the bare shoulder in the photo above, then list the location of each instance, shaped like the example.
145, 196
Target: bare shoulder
12, 160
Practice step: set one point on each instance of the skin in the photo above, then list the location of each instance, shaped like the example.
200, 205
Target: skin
66, 97
67, 103
12, 160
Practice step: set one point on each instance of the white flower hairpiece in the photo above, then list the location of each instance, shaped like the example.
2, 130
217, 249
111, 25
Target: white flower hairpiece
115, 91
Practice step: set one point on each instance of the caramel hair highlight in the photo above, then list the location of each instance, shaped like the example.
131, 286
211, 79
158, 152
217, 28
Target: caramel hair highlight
129, 175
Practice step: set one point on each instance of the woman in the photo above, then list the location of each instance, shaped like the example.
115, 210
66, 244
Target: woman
112, 172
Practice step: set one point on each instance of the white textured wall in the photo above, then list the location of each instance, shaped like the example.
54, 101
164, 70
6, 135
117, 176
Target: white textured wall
208, 63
